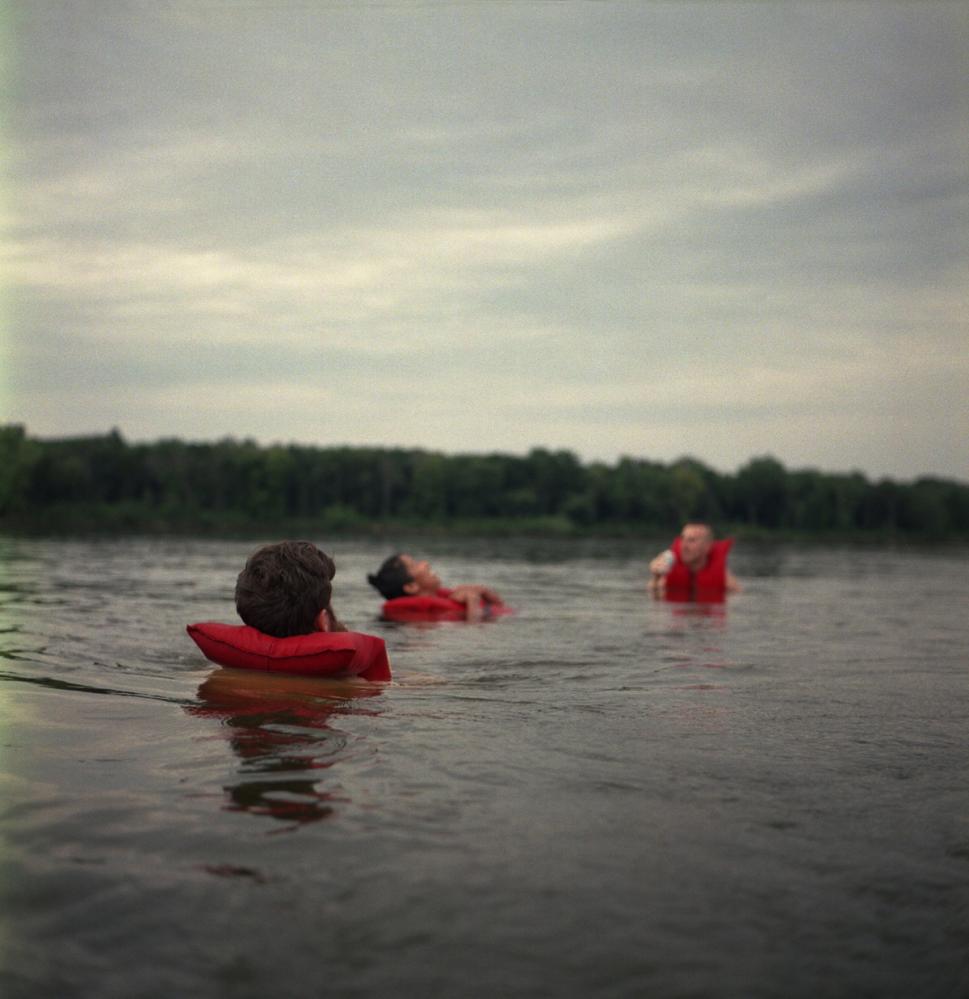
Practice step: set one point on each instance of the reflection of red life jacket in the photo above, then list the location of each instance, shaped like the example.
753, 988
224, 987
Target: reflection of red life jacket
439, 607
707, 584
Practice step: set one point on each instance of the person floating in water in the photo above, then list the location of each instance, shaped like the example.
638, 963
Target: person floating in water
410, 588
694, 567
283, 596
285, 589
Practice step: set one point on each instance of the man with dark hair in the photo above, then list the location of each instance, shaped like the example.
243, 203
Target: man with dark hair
285, 589
402, 575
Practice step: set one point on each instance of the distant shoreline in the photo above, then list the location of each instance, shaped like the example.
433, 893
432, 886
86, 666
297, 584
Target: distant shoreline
104, 485
110, 522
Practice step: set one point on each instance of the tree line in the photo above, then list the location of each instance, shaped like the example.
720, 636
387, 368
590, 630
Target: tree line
105, 482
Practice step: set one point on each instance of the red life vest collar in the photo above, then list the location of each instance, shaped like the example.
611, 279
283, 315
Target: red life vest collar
427, 608
321, 653
439, 607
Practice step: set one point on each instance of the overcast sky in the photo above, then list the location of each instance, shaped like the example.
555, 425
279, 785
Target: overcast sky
652, 229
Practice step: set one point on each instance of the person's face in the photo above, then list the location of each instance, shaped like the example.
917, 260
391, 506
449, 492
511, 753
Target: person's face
695, 541
422, 575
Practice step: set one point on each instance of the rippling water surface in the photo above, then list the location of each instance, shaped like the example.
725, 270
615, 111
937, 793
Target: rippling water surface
600, 796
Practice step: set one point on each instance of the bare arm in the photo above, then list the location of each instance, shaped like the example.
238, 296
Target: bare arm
474, 599
474, 592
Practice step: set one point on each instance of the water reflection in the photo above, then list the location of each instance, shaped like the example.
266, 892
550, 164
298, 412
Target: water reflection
688, 615
699, 629
279, 727
706, 600
717, 612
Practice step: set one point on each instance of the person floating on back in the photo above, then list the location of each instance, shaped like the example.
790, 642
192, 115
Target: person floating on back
412, 592
694, 567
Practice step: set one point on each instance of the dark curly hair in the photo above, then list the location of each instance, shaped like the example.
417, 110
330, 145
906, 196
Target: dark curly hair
283, 588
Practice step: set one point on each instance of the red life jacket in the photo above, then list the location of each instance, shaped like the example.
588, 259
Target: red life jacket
439, 607
320, 653
708, 584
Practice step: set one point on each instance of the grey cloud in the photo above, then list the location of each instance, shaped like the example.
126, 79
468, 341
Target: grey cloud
203, 194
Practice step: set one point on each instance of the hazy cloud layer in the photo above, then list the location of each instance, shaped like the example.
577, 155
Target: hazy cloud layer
654, 229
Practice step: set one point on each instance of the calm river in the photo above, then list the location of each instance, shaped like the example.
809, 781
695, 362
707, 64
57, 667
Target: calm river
600, 796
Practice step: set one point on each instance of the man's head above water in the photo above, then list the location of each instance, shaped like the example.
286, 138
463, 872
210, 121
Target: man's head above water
285, 589
695, 542
403, 575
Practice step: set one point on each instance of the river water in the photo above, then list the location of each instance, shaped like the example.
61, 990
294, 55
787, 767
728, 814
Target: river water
600, 796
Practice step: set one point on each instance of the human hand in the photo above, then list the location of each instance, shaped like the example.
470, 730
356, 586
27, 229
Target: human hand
333, 623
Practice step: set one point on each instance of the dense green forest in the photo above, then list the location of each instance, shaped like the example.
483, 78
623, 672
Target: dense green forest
105, 483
